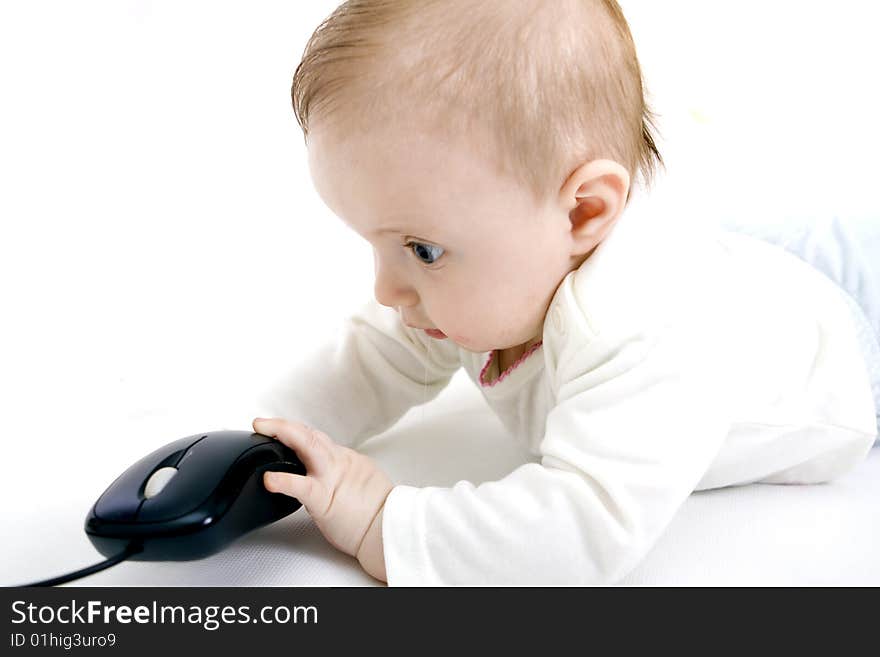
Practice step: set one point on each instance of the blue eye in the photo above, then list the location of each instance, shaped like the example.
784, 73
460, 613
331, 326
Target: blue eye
427, 253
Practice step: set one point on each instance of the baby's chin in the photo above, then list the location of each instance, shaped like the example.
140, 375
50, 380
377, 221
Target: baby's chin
477, 346
467, 343
499, 339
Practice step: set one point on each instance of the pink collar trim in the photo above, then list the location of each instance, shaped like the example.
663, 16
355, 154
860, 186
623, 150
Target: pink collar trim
510, 369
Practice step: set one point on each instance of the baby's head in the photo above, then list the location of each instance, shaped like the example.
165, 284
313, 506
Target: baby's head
484, 149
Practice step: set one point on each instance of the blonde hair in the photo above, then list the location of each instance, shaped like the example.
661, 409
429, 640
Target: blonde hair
538, 86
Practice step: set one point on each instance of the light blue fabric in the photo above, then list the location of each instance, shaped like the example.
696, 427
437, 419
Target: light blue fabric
848, 252
871, 351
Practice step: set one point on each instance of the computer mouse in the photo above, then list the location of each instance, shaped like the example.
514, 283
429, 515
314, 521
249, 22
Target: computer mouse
193, 497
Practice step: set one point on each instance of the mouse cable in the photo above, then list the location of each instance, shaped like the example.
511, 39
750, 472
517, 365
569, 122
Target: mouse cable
132, 548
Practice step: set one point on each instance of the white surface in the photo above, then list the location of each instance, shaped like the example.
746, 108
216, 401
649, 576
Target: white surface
163, 254
826, 534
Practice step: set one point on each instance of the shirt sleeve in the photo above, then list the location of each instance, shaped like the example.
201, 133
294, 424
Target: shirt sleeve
625, 445
359, 384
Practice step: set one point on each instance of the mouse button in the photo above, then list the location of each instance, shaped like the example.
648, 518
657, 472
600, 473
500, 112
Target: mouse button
174, 459
121, 499
219, 450
199, 472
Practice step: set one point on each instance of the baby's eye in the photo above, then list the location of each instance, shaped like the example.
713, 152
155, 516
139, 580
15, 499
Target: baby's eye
427, 253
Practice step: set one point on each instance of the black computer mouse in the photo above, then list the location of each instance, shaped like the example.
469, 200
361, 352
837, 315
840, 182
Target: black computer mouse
192, 497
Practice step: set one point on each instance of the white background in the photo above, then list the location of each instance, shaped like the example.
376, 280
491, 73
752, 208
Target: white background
163, 255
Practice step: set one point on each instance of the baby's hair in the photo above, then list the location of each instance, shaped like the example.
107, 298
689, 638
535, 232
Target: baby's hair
537, 86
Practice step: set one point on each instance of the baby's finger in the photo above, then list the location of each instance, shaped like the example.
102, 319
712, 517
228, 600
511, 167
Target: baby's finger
311, 446
303, 488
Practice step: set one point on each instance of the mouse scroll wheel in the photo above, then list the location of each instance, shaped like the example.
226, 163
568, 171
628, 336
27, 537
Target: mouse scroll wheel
158, 480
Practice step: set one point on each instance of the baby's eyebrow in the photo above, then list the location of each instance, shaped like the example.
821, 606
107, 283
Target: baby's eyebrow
403, 230
415, 229
391, 229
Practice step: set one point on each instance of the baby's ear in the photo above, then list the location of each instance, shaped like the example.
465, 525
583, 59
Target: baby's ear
596, 194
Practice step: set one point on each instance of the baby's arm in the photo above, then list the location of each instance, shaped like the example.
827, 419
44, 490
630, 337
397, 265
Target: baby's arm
341, 394
360, 384
628, 441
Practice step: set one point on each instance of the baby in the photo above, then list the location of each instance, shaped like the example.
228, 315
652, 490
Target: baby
487, 151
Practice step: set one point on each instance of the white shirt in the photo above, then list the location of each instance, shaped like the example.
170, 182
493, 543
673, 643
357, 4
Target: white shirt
672, 360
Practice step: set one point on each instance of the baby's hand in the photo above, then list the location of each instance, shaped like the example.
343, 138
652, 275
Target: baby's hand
342, 490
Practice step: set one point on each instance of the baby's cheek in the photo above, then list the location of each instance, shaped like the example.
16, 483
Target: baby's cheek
459, 339
467, 341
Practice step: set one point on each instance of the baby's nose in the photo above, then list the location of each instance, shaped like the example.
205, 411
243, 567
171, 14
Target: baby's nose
390, 288
394, 294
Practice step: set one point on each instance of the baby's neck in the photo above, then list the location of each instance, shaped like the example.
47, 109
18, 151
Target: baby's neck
507, 357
